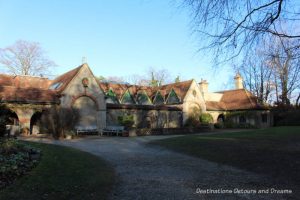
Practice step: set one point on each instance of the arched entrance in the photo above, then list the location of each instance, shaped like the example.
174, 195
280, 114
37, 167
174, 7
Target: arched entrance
194, 111
87, 111
35, 123
9, 122
221, 118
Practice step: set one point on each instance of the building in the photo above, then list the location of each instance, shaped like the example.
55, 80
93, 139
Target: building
31, 101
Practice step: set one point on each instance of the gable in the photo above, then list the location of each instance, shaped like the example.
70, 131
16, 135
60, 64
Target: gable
74, 82
194, 94
142, 98
127, 98
173, 98
111, 97
158, 99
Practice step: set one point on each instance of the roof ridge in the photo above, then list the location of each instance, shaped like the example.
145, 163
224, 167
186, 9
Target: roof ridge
65, 79
228, 90
177, 83
246, 91
1, 86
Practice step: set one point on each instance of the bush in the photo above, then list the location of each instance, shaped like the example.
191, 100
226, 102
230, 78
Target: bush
2, 126
288, 117
192, 122
206, 118
126, 120
15, 160
218, 125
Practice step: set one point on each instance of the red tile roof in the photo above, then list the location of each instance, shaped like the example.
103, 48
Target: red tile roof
65, 78
27, 95
180, 89
26, 89
240, 99
24, 81
143, 107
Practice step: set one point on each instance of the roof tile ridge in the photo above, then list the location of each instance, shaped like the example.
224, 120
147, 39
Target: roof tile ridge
246, 91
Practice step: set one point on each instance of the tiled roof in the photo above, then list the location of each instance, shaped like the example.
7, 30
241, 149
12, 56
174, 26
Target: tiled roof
27, 95
180, 89
240, 99
26, 89
24, 81
65, 78
215, 105
143, 107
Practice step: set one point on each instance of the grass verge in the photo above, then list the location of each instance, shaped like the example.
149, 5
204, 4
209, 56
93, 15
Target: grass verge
63, 173
273, 152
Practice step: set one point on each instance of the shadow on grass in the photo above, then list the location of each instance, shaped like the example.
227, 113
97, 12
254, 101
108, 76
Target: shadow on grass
273, 152
63, 173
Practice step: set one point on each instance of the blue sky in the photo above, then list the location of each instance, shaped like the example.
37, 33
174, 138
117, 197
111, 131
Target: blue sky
118, 38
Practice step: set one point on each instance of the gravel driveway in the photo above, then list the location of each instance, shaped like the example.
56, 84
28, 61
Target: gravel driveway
150, 172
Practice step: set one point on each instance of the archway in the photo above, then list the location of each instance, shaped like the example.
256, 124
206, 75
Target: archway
221, 119
87, 111
35, 123
9, 122
194, 111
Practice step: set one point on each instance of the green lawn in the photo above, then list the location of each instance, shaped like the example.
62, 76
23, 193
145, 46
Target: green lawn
63, 173
274, 151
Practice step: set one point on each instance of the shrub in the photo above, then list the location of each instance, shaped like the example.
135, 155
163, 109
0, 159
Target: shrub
218, 125
287, 117
126, 120
15, 160
192, 122
206, 118
2, 126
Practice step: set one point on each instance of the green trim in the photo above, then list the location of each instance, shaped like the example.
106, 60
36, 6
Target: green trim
127, 98
173, 94
112, 95
158, 99
142, 98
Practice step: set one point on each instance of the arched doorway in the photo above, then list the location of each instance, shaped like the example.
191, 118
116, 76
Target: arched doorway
87, 111
9, 122
194, 111
35, 123
221, 119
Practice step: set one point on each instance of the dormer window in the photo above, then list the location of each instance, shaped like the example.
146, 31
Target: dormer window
55, 86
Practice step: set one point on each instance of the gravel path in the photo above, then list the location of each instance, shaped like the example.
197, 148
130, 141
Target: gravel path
151, 172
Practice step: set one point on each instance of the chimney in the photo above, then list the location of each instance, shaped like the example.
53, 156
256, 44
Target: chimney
238, 81
203, 85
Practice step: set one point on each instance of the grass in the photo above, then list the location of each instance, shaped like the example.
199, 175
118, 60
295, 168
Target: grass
274, 152
63, 173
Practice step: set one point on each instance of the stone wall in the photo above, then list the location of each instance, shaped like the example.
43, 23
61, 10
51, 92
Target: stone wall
147, 118
193, 103
90, 100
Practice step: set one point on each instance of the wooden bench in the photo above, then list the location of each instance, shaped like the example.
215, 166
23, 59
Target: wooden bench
86, 129
113, 130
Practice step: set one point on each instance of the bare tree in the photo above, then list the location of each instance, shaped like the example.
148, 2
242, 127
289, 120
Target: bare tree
158, 77
285, 62
257, 76
231, 27
25, 58
152, 77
